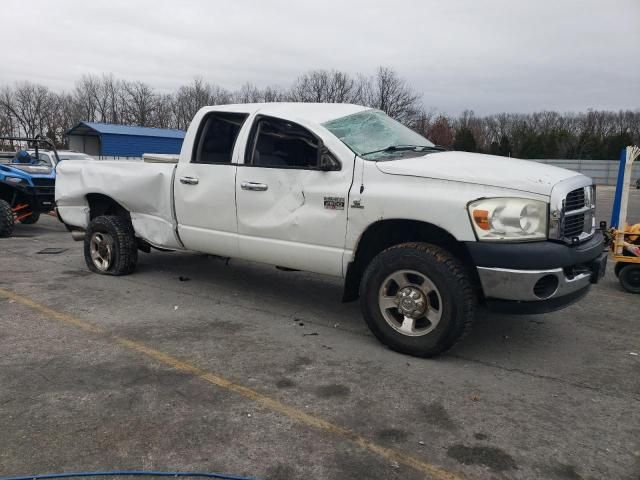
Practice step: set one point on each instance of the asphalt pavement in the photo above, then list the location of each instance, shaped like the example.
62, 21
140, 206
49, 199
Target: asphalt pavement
193, 363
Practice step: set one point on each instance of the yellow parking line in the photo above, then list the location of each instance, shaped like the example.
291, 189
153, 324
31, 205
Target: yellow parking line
390, 454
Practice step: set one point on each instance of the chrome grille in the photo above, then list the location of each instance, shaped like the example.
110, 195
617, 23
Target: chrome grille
575, 200
572, 210
573, 226
578, 214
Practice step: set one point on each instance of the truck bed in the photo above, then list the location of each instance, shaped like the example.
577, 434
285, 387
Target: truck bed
145, 189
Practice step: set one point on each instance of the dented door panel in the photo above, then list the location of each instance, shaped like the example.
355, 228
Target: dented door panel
299, 221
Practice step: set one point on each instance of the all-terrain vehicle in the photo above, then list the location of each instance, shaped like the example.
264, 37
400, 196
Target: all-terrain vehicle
27, 182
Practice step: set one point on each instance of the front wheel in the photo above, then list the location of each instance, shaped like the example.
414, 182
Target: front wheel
6, 219
110, 246
417, 299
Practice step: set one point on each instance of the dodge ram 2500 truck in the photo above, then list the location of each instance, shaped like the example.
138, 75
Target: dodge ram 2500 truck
422, 236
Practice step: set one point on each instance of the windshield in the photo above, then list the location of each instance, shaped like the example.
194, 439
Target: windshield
41, 159
374, 131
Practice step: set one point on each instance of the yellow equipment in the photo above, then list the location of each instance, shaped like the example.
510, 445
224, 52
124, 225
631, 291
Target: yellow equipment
625, 241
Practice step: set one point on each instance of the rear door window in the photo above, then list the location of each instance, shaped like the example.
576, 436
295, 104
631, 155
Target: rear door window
217, 137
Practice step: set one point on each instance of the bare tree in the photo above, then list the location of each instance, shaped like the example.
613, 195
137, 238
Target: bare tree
140, 103
29, 104
31, 109
391, 94
248, 93
274, 94
440, 132
191, 98
8, 123
324, 86
163, 113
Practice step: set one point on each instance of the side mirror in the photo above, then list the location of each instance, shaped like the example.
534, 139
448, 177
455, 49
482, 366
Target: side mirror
326, 161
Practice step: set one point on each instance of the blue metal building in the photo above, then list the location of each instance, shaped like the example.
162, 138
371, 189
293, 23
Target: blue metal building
110, 140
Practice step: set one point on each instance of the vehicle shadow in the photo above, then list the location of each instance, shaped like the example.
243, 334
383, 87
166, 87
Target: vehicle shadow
308, 297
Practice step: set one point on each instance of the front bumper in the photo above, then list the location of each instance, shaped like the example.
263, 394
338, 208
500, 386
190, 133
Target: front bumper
40, 197
563, 275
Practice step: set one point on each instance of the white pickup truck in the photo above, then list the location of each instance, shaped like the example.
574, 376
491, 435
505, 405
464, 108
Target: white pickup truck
422, 236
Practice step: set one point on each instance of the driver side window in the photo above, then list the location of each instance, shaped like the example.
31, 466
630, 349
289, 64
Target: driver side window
277, 143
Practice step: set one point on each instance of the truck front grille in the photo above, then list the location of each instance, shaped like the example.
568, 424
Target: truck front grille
575, 200
573, 226
43, 182
44, 186
578, 214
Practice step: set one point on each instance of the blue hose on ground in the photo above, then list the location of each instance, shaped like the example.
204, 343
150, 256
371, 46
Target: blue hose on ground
130, 473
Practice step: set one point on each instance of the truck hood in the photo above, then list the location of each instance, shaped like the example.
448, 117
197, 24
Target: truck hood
36, 170
489, 170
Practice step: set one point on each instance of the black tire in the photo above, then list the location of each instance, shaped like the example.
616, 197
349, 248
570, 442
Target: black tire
6, 219
619, 266
454, 290
31, 219
629, 277
118, 243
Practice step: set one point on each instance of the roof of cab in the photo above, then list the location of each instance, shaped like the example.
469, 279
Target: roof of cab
313, 112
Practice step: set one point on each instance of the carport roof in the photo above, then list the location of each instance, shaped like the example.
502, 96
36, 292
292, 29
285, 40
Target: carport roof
93, 128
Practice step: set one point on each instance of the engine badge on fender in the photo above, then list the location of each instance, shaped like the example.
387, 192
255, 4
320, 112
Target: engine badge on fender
334, 203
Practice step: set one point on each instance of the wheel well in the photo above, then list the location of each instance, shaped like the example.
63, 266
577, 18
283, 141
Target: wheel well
100, 204
11, 195
387, 233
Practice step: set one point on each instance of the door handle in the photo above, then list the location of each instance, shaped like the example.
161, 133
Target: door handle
256, 187
189, 180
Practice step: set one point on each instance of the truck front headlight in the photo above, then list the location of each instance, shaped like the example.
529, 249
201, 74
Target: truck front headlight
509, 219
17, 181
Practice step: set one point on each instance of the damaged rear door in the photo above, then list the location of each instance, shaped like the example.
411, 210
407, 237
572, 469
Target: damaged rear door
204, 187
291, 195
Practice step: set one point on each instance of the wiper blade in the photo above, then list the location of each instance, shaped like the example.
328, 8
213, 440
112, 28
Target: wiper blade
401, 148
393, 148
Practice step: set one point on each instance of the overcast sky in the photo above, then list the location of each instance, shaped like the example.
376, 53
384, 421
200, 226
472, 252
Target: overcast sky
485, 55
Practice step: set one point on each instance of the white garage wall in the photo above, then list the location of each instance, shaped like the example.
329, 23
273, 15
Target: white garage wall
86, 144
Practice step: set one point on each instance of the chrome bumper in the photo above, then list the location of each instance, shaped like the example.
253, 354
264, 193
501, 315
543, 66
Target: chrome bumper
530, 285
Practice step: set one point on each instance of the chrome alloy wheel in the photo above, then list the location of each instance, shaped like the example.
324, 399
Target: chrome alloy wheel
101, 248
410, 303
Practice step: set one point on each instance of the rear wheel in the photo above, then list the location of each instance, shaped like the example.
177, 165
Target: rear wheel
417, 299
110, 246
31, 219
6, 219
629, 277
